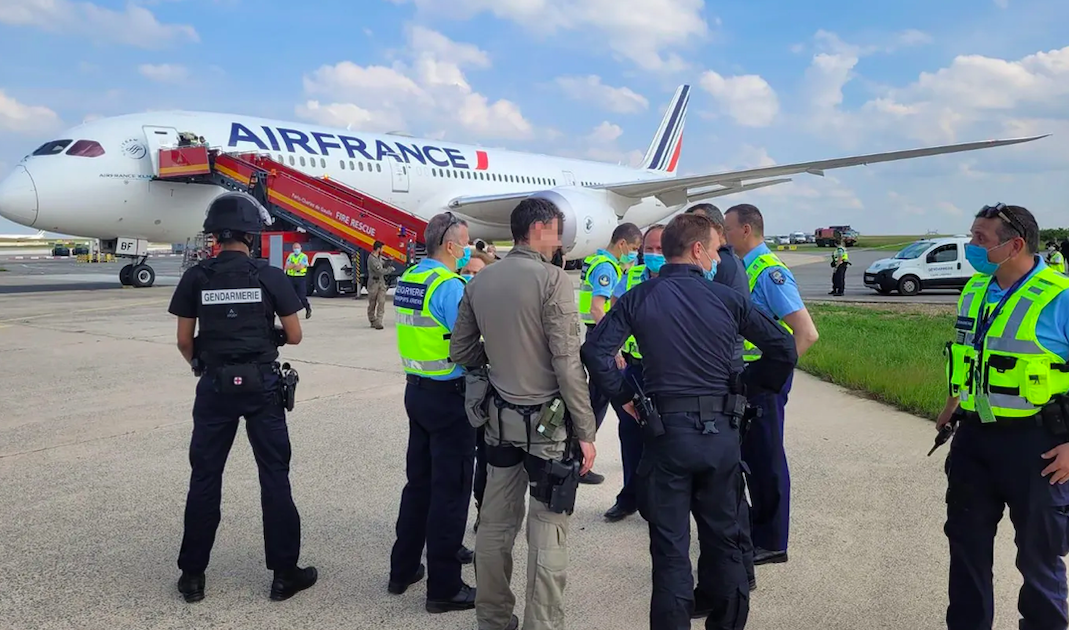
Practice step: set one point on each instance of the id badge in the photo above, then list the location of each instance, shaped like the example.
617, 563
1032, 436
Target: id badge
983, 408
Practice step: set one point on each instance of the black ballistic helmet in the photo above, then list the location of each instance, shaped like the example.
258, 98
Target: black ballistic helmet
235, 213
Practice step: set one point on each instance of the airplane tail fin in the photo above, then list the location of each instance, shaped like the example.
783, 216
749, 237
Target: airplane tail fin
663, 154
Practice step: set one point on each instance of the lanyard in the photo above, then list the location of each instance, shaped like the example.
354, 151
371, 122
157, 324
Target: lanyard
985, 322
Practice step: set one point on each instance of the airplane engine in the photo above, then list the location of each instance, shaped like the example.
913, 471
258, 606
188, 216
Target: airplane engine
589, 219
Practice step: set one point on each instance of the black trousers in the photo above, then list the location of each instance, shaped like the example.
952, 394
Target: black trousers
991, 468
682, 470
215, 423
434, 502
838, 278
300, 285
599, 401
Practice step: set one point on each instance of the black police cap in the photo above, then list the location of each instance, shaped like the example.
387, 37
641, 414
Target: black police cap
235, 212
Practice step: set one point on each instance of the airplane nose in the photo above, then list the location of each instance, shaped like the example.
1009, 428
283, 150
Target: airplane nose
18, 197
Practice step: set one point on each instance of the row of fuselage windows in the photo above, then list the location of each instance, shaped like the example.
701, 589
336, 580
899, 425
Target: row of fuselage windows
446, 173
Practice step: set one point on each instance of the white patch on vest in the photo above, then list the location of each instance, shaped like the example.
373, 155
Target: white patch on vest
231, 296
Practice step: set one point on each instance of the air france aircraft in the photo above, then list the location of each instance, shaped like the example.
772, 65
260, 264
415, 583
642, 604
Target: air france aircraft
96, 180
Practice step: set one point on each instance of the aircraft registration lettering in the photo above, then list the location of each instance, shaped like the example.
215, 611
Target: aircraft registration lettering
323, 144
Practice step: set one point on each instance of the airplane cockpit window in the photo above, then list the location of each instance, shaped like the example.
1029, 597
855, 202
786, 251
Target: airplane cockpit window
86, 148
54, 147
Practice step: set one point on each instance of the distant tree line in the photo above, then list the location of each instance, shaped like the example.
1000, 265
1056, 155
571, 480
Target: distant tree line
1056, 235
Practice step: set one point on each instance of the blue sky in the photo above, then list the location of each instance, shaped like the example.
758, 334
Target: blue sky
775, 82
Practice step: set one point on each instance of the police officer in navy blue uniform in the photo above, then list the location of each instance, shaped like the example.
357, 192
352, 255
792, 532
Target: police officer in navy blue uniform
694, 386
235, 298
730, 272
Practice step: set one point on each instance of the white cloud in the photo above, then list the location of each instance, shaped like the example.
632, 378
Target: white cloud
28, 119
164, 73
348, 115
605, 132
601, 145
134, 26
431, 89
592, 91
972, 98
641, 31
748, 99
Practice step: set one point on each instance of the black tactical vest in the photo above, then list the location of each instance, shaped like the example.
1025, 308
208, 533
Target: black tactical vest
233, 309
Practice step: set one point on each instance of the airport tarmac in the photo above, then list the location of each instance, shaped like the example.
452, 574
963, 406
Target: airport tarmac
94, 437
810, 268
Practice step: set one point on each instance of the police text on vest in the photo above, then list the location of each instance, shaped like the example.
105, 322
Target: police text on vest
231, 296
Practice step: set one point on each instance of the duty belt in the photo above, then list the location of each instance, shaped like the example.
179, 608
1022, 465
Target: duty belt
706, 407
1054, 417
455, 385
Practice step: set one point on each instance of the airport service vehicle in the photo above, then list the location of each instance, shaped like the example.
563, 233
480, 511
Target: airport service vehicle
926, 264
103, 179
798, 238
783, 240
827, 237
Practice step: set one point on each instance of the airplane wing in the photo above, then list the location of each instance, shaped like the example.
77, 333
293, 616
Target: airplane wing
674, 191
498, 208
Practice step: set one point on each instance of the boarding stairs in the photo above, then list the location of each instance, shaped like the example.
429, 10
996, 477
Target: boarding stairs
346, 218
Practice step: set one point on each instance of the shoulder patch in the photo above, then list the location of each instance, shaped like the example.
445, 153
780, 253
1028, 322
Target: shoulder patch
604, 280
777, 276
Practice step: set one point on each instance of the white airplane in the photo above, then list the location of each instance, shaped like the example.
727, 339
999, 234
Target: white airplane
96, 179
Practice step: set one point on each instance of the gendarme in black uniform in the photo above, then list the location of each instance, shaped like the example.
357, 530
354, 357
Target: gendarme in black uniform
234, 299
687, 327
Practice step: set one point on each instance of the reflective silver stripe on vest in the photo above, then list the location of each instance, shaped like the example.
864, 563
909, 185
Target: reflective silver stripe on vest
427, 366
966, 304
416, 321
1007, 340
1010, 401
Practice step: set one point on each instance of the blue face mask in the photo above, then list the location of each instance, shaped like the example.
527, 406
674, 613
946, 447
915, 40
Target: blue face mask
978, 258
467, 277
712, 270
465, 258
709, 275
628, 258
653, 262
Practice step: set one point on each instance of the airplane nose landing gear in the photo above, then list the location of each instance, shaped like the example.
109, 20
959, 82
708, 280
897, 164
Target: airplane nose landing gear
136, 274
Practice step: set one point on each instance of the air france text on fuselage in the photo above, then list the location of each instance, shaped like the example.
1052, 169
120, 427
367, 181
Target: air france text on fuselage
320, 143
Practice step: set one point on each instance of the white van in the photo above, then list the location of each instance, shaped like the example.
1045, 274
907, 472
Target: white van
937, 263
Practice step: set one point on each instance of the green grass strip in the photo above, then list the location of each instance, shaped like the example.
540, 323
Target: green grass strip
892, 357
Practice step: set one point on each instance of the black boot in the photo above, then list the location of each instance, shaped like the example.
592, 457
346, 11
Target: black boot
463, 600
307, 312
292, 581
592, 478
397, 588
191, 586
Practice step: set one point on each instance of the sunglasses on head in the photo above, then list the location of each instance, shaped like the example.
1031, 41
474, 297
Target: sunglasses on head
1002, 211
453, 220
